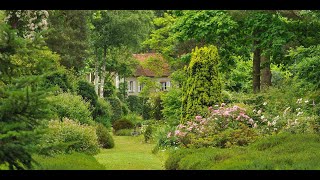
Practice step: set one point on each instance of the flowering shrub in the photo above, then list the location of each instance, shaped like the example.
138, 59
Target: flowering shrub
223, 128
295, 119
29, 22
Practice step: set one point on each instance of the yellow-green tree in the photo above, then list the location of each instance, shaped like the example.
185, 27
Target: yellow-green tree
203, 86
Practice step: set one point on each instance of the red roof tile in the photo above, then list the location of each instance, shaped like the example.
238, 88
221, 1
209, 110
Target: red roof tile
140, 71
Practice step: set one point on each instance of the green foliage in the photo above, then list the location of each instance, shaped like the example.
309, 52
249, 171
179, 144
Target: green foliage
277, 152
124, 132
116, 106
72, 107
203, 87
125, 27
148, 133
178, 78
68, 36
74, 161
215, 27
60, 79
239, 79
307, 65
23, 103
31, 59
149, 86
172, 163
137, 120
122, 124
103, 112
155, 64
104, 138
156, 106
162, 38
146, 109
171, 102
22, 106
242, 136
76, 137
86, 90
134, 104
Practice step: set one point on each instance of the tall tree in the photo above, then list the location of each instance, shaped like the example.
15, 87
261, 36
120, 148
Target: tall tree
203, 86
23, 103
68, 36
115, 28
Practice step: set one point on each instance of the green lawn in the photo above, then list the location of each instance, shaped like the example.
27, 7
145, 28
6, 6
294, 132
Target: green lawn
74, 161
130, 153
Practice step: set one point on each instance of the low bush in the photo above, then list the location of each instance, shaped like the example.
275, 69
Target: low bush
104, 138
122, 124
68, 136
70, 106
74, 161
283, 151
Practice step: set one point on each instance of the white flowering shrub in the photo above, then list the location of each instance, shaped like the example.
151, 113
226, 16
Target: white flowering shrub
67, 136
28, 22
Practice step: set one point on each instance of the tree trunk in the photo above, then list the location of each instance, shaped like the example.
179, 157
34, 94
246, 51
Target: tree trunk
265, 72
96, 74
103, 73
256, 69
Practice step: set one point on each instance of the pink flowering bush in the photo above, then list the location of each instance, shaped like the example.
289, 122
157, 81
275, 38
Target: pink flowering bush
211, 131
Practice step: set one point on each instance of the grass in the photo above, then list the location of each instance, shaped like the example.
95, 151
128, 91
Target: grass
74, 161
130, 153
278, 152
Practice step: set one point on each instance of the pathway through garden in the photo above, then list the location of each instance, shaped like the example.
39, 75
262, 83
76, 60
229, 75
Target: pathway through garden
130, 153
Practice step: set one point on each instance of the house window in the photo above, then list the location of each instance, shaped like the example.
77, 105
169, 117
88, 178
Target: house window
140, 87
163, 86
130, 86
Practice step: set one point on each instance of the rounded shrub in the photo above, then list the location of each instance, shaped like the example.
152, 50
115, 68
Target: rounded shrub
104, 138
122, 124
70, 106
67, 136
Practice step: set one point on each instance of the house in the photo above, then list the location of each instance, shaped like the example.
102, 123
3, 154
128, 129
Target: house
133, 85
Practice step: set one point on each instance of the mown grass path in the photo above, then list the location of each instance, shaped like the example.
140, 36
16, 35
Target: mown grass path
130, 153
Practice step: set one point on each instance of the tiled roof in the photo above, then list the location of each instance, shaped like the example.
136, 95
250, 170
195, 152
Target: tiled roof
147, 72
